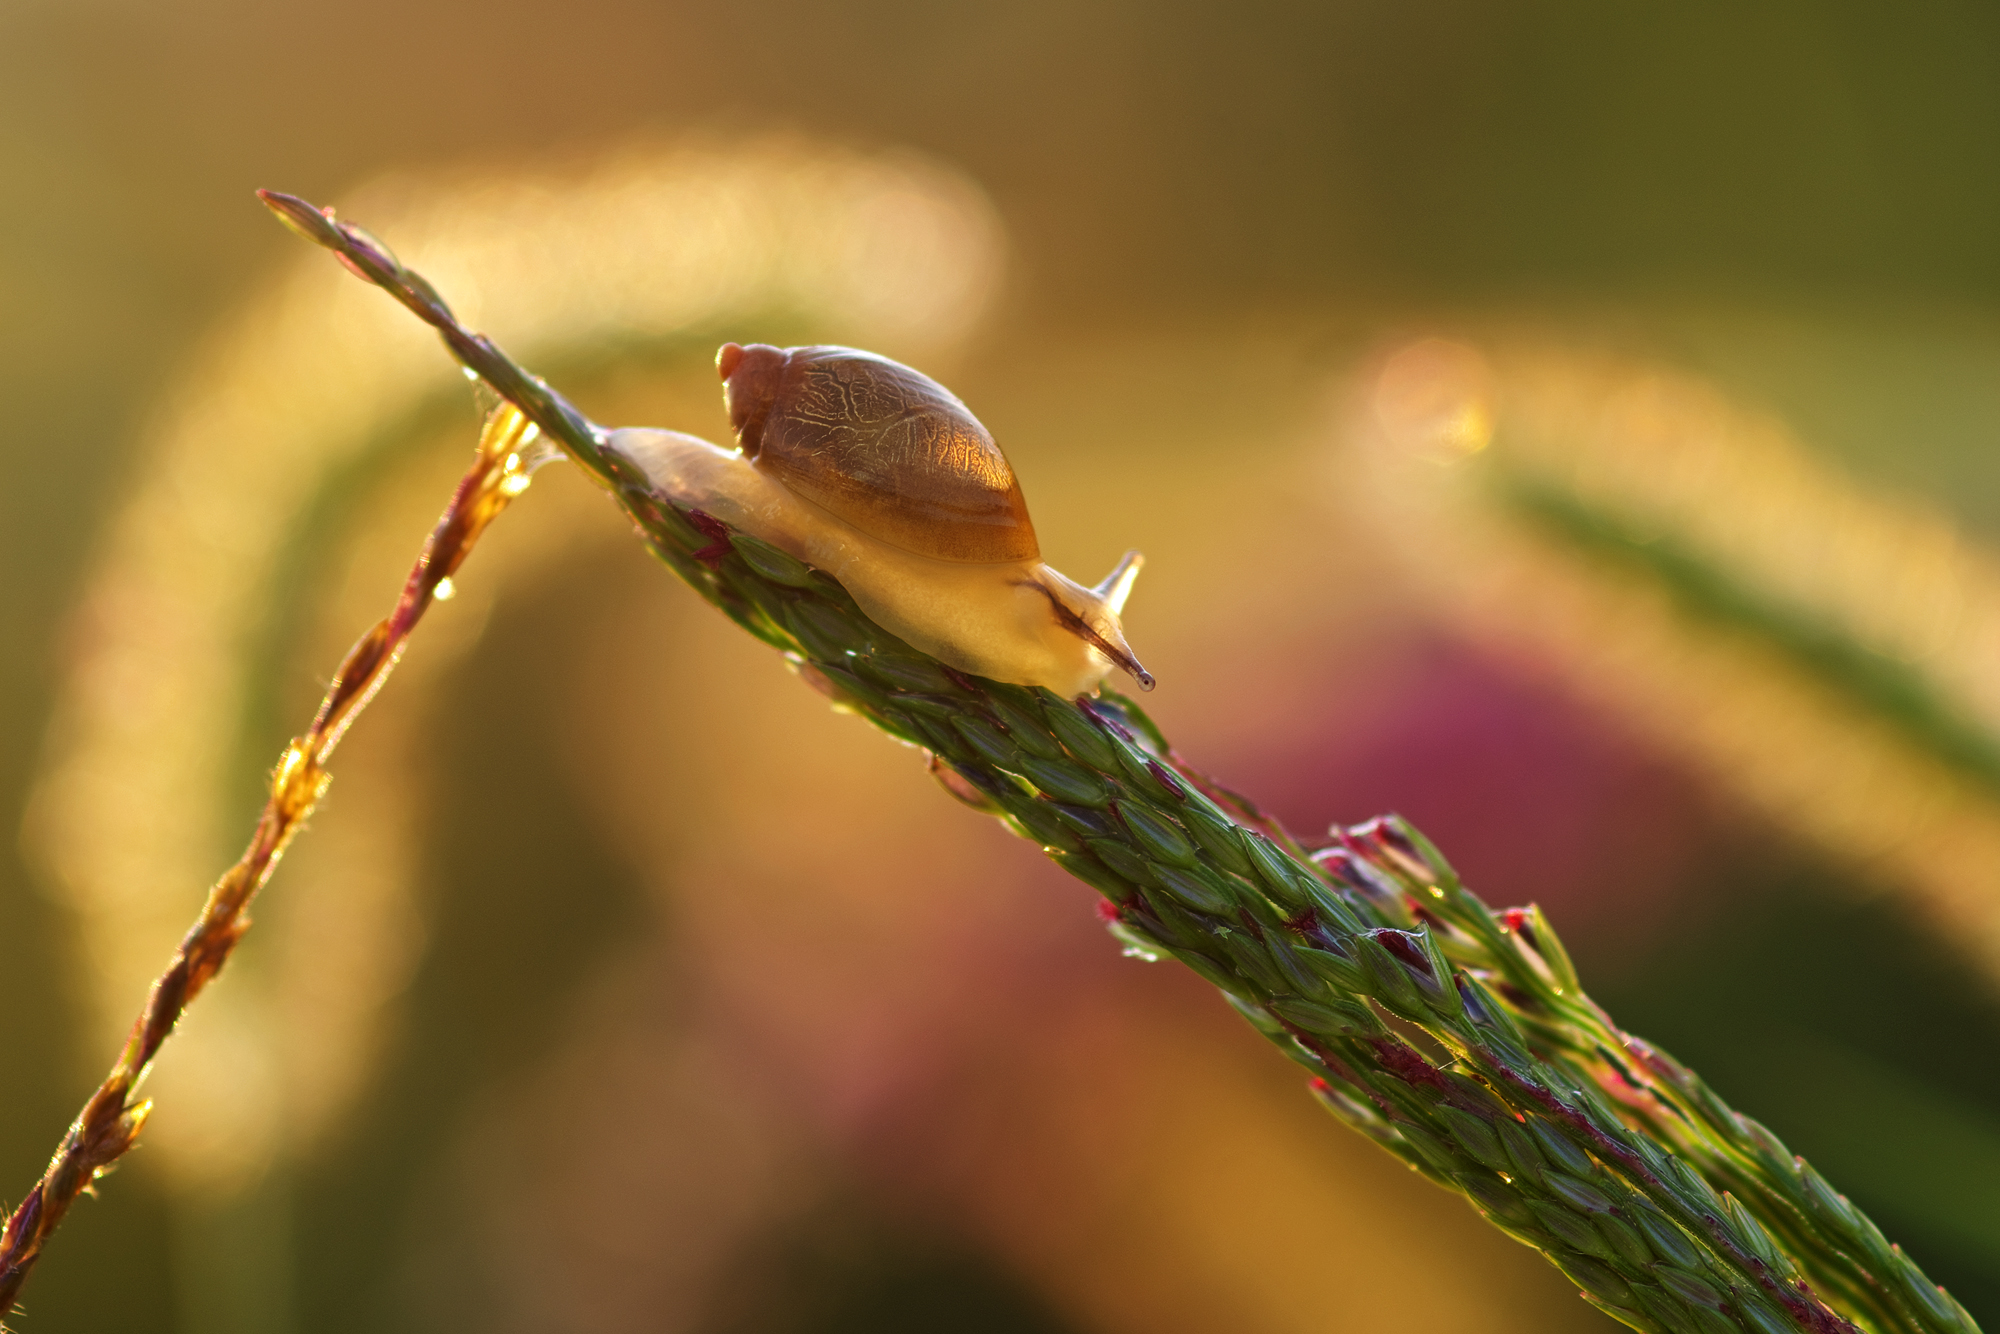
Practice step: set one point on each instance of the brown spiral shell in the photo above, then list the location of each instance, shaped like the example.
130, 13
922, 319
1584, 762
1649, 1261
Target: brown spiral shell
887, 449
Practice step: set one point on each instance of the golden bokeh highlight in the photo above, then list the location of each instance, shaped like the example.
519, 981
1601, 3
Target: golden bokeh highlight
1657, 461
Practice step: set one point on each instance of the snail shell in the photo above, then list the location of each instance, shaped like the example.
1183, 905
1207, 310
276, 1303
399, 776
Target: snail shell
878, 475
889, 450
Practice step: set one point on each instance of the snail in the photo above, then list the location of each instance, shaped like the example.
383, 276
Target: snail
879, 476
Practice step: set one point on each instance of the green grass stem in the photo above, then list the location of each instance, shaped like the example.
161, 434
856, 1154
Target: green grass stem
1454, 1036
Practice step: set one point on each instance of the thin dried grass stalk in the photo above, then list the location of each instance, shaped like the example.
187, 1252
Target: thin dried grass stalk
111, 1120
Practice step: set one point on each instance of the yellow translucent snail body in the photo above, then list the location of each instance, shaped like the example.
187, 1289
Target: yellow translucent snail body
879, 476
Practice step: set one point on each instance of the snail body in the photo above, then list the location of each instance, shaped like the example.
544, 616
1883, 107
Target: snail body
879, 476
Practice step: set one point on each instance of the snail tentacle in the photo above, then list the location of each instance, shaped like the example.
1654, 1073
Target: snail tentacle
1117, 586
1085, 613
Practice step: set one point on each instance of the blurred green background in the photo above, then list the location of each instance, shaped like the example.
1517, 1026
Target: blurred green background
1214, 216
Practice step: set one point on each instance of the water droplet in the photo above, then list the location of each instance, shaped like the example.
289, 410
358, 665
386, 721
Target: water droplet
446, 590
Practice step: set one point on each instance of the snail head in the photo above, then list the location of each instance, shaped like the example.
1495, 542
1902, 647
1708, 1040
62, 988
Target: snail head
750, 381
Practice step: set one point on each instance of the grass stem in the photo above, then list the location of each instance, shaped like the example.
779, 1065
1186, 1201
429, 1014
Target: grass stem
111, 1120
